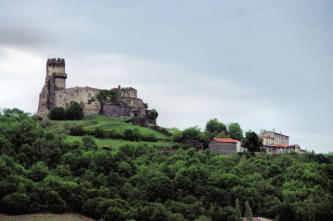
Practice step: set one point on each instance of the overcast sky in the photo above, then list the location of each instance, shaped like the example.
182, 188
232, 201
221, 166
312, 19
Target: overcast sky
265, 64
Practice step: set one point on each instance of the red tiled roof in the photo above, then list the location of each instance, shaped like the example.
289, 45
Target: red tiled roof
281, 145
225, 140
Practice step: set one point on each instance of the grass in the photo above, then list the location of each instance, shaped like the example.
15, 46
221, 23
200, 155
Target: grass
116, 143
118, 125
45, 217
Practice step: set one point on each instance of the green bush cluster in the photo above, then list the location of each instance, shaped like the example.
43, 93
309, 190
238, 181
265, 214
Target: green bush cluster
152, 114
73, 112
40, 172
129, 134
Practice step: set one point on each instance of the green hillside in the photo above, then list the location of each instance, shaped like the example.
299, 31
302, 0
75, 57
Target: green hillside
109, 169
116, 126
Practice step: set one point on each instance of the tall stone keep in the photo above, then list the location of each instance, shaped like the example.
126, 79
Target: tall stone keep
55, 80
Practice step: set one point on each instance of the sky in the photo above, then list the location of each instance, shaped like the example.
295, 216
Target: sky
265, 64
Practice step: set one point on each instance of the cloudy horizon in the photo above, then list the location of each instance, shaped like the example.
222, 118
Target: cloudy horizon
263, 64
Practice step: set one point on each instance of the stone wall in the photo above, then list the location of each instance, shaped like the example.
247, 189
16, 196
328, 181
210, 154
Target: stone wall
223, 148
85, 96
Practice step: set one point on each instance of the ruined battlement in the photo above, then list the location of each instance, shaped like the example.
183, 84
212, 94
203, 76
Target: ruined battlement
127, 91
57, 62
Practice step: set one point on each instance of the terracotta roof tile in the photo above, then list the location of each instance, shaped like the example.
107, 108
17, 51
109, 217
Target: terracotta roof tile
225, 140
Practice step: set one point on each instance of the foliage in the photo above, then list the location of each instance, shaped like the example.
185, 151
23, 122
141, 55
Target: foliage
214, 127
252, 142
57, 113
74, 112
248, 211
41, 172
152, 114
238, 211
108, 96
235, 131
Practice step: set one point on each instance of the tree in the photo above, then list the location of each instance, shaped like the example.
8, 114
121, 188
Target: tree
238, 211
74, 112
252, 142
235, 131
57, 113
108, 96
152, 114
248, 211
214, 127
15, 203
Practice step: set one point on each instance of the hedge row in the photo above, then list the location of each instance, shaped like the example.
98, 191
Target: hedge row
129, 134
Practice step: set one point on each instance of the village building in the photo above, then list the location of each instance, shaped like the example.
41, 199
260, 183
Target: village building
274, 143
225, 146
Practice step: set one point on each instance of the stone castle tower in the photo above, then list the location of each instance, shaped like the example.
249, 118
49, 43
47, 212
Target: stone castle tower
55, 80
55, 94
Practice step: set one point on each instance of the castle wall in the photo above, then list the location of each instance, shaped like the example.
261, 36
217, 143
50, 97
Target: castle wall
60, 83
54, 69
83, 95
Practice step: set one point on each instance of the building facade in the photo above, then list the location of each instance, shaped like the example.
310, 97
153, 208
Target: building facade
278, 143
225, 146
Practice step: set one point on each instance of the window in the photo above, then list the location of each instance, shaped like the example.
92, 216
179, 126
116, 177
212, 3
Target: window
89, 95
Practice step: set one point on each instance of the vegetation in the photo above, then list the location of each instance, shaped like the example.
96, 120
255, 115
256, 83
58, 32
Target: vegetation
252, 142
152, 114
57, 113
45, 217
73, 112
44, 170
108, 96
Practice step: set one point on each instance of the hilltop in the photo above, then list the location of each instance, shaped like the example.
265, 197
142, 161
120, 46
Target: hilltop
46, 169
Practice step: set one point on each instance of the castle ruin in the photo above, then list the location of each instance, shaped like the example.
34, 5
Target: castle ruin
55, 94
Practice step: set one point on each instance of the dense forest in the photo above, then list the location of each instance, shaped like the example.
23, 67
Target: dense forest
40, 171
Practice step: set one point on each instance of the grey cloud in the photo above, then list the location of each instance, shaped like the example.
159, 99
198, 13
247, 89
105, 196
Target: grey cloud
21, 34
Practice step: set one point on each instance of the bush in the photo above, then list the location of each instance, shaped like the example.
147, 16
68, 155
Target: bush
76, 131
132, 134
99, 133
15, 203
89, 143
74, 112
152, 114
57, 113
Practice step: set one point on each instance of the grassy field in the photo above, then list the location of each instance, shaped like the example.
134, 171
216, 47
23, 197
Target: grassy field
118, 125
116, 143
45, 217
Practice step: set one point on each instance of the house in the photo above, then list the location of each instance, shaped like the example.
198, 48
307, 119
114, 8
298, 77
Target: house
225, 146
278, 143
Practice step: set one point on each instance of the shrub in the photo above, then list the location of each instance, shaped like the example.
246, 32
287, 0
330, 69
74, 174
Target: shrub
149, 137
152, 114
89, 143
15, 203
132, 134
74, 112
100, 133
57, 113
76, 131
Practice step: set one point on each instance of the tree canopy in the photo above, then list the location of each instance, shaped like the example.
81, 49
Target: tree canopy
41, 171
252, 142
